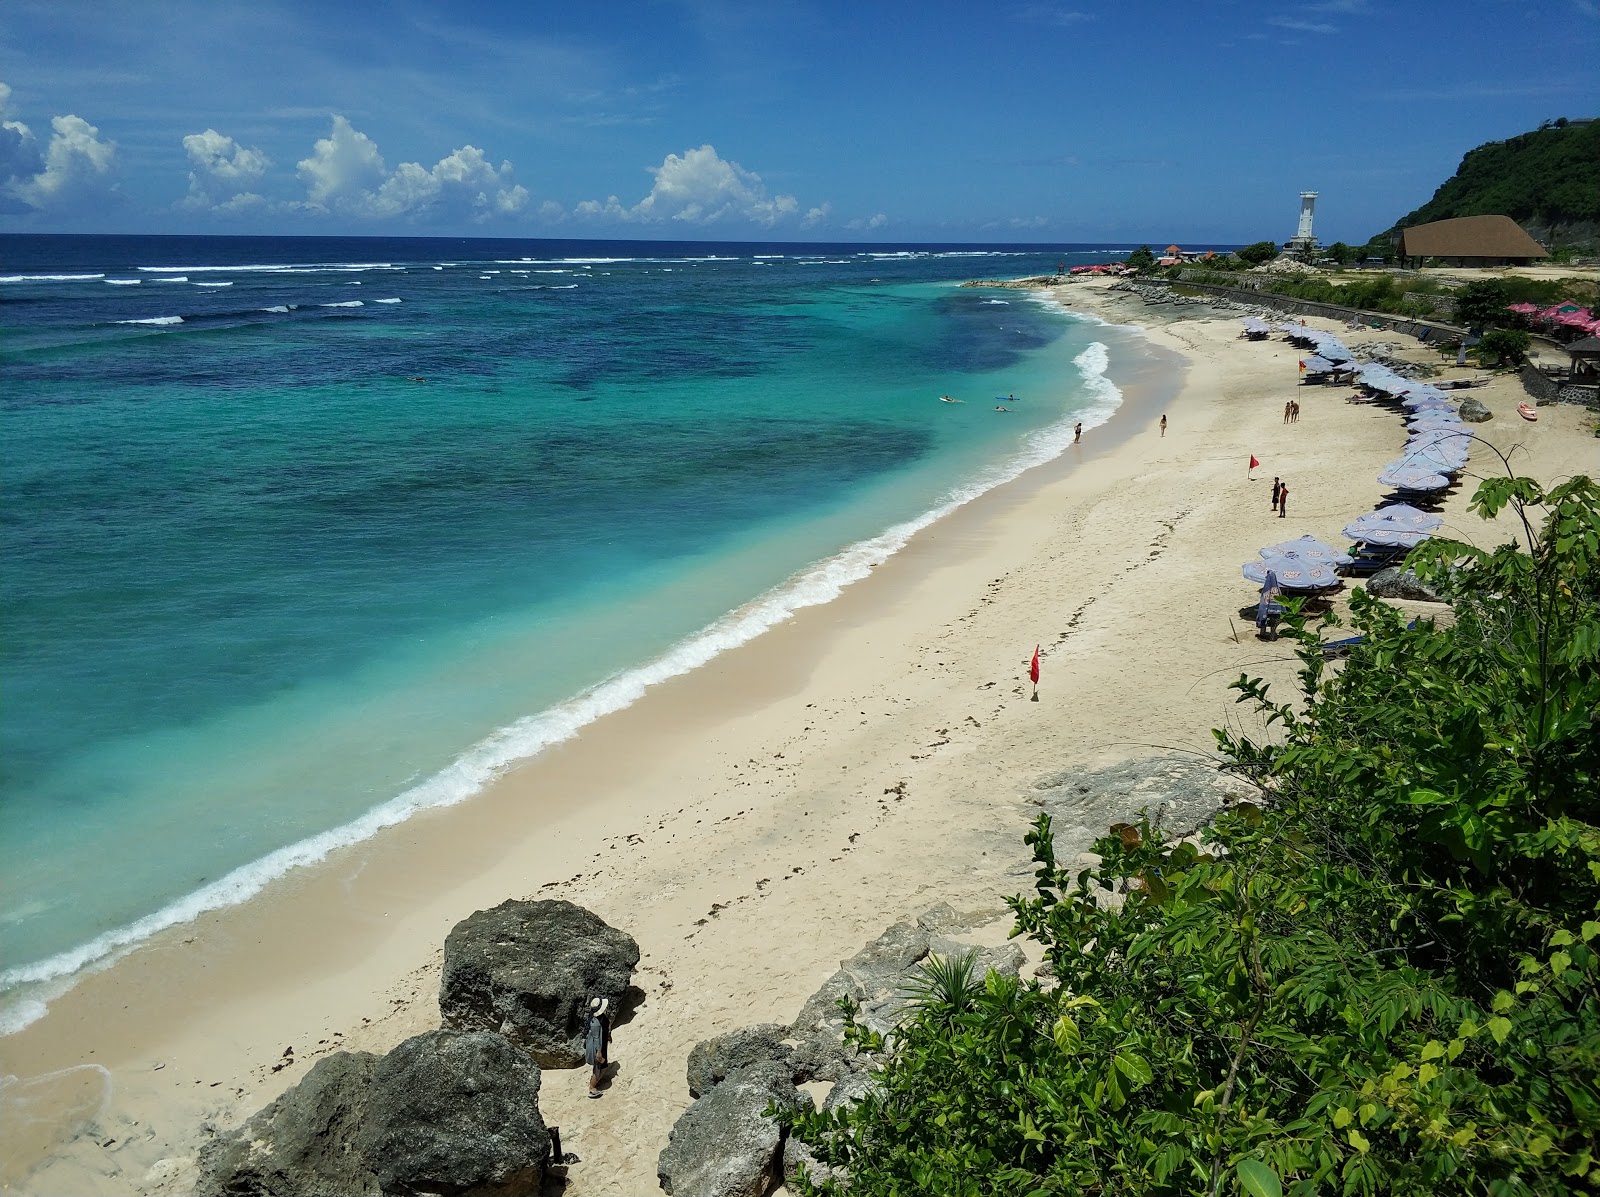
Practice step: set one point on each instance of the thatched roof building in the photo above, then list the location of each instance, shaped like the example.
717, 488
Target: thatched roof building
1471, 241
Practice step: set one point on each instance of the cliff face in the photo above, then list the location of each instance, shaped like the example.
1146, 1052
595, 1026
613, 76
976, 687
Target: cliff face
1547, 180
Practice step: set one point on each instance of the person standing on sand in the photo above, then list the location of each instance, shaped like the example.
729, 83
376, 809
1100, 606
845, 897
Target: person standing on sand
1283, 500
597, 1042
1077, 432
1294, 411
1163, 423
1287, 407
1277, 487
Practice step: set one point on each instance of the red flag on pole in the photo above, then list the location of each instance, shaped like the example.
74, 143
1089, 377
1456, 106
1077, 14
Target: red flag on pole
1254, 464
1033, 670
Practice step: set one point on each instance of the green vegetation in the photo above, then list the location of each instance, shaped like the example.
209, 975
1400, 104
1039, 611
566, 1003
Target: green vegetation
1504, 347
1142, 258
1258, 252
1482, 304
1381, 979
1548, 178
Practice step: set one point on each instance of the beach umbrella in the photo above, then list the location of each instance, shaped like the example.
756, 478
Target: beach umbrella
1307, 548
1403, 515
1402, 475
1293, 574
1397, 538
1426, 419
1317, 365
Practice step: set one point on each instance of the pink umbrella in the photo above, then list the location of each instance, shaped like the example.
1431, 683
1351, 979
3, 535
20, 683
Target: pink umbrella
1523, 308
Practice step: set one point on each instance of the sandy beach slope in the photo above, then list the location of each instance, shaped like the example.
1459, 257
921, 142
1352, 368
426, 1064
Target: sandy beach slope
755, 821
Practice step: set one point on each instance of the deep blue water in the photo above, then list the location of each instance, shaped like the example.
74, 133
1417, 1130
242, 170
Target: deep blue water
297, 530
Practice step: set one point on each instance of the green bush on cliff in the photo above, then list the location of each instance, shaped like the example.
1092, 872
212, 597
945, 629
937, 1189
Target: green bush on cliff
1384, 978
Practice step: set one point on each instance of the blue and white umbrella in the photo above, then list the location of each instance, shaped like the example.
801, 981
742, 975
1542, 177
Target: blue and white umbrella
1293, 573
1403, 475
1388, 537
1307, 548
1403, 515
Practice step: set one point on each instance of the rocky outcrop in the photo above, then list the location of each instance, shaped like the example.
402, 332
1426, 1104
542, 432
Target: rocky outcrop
1474, 412
714, 1060
724, 1145
1398, 583
1179, 794
847, 1092
527, 970
446, 1112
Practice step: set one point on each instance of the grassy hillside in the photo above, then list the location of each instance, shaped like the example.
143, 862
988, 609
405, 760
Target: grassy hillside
1547, 181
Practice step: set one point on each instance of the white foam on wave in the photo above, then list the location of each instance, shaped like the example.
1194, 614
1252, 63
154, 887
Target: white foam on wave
768, 257
279, 309
348, 303
171, 278
471, 772
229, 283
48, 278
155, 320
289, 268
386, 301
123, 282
1005, 303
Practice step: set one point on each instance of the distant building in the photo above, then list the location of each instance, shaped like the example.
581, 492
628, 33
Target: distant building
1470, 241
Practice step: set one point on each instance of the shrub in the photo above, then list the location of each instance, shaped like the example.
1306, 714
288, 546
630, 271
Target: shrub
1504, 346
1382, 978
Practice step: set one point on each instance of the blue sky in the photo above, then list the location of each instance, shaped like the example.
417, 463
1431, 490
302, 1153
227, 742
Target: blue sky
1010, 120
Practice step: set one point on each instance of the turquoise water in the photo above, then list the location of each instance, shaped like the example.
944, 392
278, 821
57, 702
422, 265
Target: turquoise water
301, 536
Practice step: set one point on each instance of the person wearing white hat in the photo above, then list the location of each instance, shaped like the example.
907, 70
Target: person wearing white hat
597, 1042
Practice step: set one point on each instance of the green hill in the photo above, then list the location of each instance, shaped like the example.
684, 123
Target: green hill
1548, 181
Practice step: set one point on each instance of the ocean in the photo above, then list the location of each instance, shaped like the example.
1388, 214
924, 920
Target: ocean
302, 535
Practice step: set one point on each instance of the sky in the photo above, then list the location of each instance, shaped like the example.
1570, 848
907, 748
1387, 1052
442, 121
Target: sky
1034, 121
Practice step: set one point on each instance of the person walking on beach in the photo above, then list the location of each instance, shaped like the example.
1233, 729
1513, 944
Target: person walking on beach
1283, 500
1294, 412
597, 1042
1077, 432
1287, 408
1163, 423
1277, 486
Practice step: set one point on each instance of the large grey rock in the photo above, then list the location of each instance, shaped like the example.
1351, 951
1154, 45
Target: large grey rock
1396, 582
1180, 795
1474, 412
458, 1113
847, 1092
875, 979
724, 1145
446, 1112
304, 1142
713, 1060
527, 971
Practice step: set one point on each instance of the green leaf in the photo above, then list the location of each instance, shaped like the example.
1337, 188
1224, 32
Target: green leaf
1499, 1028
1503, 1001
1257, 1179
1134, 1068
1065, 1034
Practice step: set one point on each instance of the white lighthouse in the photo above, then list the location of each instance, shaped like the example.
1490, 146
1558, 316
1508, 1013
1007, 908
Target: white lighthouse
1304, 241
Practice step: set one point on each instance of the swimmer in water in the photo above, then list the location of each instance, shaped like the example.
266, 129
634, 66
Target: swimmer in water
947, 399
1001, 407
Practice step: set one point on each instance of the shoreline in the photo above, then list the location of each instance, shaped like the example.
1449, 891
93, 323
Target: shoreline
814, 584
753, 820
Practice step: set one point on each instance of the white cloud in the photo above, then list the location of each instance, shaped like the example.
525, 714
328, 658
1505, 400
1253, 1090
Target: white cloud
817, 215
347, 174
222, 166
343, 165
68, 172
867, 225
1300, 26
700, 187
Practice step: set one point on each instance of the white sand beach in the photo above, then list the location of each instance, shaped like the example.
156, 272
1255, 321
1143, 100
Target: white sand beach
756, 820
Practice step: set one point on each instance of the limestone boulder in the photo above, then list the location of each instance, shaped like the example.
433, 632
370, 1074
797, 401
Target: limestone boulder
1399, 583
1474, 412
714, 1060
527, 970
446, 1112
724, 1145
